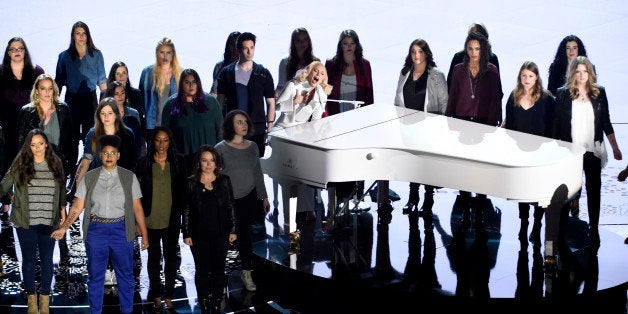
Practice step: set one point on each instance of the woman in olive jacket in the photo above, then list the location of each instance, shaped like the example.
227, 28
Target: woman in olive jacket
162, 177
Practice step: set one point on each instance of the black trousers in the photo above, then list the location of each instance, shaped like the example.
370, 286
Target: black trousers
209, 262
167, 240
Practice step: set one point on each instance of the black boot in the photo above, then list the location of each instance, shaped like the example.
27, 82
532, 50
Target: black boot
535, 234
413, 199
215, 305
204, 305
428, 203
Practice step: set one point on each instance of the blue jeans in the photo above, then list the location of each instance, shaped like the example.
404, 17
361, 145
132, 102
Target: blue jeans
32, 239
104, 241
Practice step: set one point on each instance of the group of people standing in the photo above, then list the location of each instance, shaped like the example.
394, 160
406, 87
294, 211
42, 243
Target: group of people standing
168, 157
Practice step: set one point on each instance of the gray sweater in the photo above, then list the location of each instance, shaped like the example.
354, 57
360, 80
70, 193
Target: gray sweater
244, 169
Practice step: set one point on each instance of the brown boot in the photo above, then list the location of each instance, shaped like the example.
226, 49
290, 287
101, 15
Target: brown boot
44, 304
32, 304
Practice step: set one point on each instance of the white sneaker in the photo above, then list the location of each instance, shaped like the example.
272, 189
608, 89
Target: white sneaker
110, 277
247, 279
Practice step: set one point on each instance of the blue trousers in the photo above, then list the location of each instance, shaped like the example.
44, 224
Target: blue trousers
104, 241
32, 239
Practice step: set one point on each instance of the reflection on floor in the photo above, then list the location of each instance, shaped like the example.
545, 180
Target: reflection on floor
374, 260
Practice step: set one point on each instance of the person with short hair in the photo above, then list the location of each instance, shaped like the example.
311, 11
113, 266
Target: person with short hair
246, 85
111, 198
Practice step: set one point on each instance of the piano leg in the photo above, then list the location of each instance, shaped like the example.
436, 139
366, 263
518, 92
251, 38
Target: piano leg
275, 193
332, 206
556, 218
383, 198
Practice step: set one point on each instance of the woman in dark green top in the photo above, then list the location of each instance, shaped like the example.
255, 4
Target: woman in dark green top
193, 116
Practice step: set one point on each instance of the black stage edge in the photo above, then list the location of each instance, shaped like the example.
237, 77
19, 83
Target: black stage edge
360, 266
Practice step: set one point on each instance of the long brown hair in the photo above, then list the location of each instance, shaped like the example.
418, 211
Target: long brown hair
537, 89
99, 128
24, 162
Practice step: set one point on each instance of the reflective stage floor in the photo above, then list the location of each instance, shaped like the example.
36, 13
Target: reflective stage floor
375, 260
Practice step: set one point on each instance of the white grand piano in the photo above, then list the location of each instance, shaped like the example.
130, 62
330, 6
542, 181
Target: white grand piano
385, 142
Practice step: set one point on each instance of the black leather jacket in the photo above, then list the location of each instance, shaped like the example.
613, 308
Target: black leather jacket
28, 119
562, 121
194, 207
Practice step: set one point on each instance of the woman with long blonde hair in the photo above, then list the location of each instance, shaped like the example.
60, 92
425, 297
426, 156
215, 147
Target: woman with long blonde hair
582, 117
159, 81
48, 113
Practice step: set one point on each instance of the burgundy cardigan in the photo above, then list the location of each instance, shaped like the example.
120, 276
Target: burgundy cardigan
364, 81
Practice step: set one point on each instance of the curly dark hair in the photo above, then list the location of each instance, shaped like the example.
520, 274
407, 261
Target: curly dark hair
24, 162
228, 131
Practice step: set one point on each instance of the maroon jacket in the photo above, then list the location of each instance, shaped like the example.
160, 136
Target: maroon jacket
364, 80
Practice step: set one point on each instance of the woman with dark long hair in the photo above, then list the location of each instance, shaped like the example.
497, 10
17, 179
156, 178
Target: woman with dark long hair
81, 69
130, 116
209, 225
39, 206
120, 72
193, 116
17, 76
568, 49
107, 122
475, 95
421, 86
351, 79
530, 109
162, 178
229, 55
300, 56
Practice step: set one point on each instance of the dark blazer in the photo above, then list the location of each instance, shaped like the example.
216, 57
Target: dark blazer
144, 174
194, 207
260, 87
28, 119
562, 122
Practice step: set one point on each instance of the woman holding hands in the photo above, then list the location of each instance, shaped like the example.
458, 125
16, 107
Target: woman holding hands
39, 205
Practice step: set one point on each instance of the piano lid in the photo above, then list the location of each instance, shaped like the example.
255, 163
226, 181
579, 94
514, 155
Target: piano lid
392, 127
